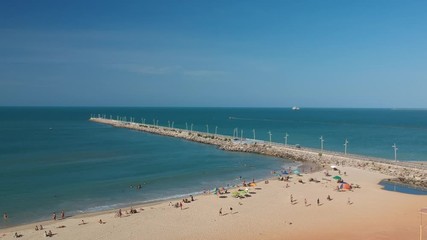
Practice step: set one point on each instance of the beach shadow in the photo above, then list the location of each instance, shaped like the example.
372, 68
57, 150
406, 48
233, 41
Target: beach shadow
320, 204
294, 202
252, 192
258, 188
225, 214
234, 213
222, 196
308, 205
185, 208
62, 226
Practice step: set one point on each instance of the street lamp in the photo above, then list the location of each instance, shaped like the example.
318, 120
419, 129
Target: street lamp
321, 143
345, 146
395, 151
422, 212
286, 139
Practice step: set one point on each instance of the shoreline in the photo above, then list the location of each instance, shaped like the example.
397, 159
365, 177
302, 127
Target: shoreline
76, 214
267, 214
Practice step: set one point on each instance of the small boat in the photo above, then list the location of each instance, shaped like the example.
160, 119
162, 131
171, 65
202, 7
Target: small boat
295, 108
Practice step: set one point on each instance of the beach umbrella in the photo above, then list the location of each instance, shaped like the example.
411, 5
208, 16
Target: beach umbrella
337, 177
296, 172
333, 166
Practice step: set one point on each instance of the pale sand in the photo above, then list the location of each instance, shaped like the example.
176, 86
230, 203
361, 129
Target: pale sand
268, 214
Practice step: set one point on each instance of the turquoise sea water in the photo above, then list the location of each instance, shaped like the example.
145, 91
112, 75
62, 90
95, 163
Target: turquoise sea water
54, 159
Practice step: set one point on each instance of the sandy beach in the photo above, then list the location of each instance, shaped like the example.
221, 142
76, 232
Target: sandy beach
267, 212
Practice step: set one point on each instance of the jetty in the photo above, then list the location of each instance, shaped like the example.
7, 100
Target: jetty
406, 172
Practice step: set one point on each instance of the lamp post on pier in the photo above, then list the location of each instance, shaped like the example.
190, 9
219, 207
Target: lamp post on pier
345, 146
286, 139
422, 212
321, 143
395, 151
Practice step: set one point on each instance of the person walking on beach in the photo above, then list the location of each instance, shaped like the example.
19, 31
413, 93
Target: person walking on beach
62, 214
180, 205
220, 211
5, 216
305, 201
231, 210
318, 202
54, 216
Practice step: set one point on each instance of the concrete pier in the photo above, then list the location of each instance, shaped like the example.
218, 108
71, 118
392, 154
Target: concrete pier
413, 173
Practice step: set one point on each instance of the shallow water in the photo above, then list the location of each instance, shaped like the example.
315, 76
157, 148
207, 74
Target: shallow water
401, 188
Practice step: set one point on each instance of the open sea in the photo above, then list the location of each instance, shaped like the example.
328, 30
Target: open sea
53, 158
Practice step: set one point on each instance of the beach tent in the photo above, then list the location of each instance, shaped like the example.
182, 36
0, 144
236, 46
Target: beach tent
345, 186
296, 172
239, 194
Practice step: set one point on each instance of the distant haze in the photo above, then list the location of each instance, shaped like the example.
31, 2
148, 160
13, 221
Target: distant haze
214, 53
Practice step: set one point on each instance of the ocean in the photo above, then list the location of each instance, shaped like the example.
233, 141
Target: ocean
54, 159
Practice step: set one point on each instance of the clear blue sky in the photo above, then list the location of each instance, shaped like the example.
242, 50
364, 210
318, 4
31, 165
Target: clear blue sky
214, 53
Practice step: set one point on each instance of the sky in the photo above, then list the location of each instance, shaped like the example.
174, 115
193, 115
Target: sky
222, 53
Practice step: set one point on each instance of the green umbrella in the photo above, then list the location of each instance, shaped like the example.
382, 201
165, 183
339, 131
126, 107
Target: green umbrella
337, 177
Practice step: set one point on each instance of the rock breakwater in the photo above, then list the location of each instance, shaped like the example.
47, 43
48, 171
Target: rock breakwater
413, 173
